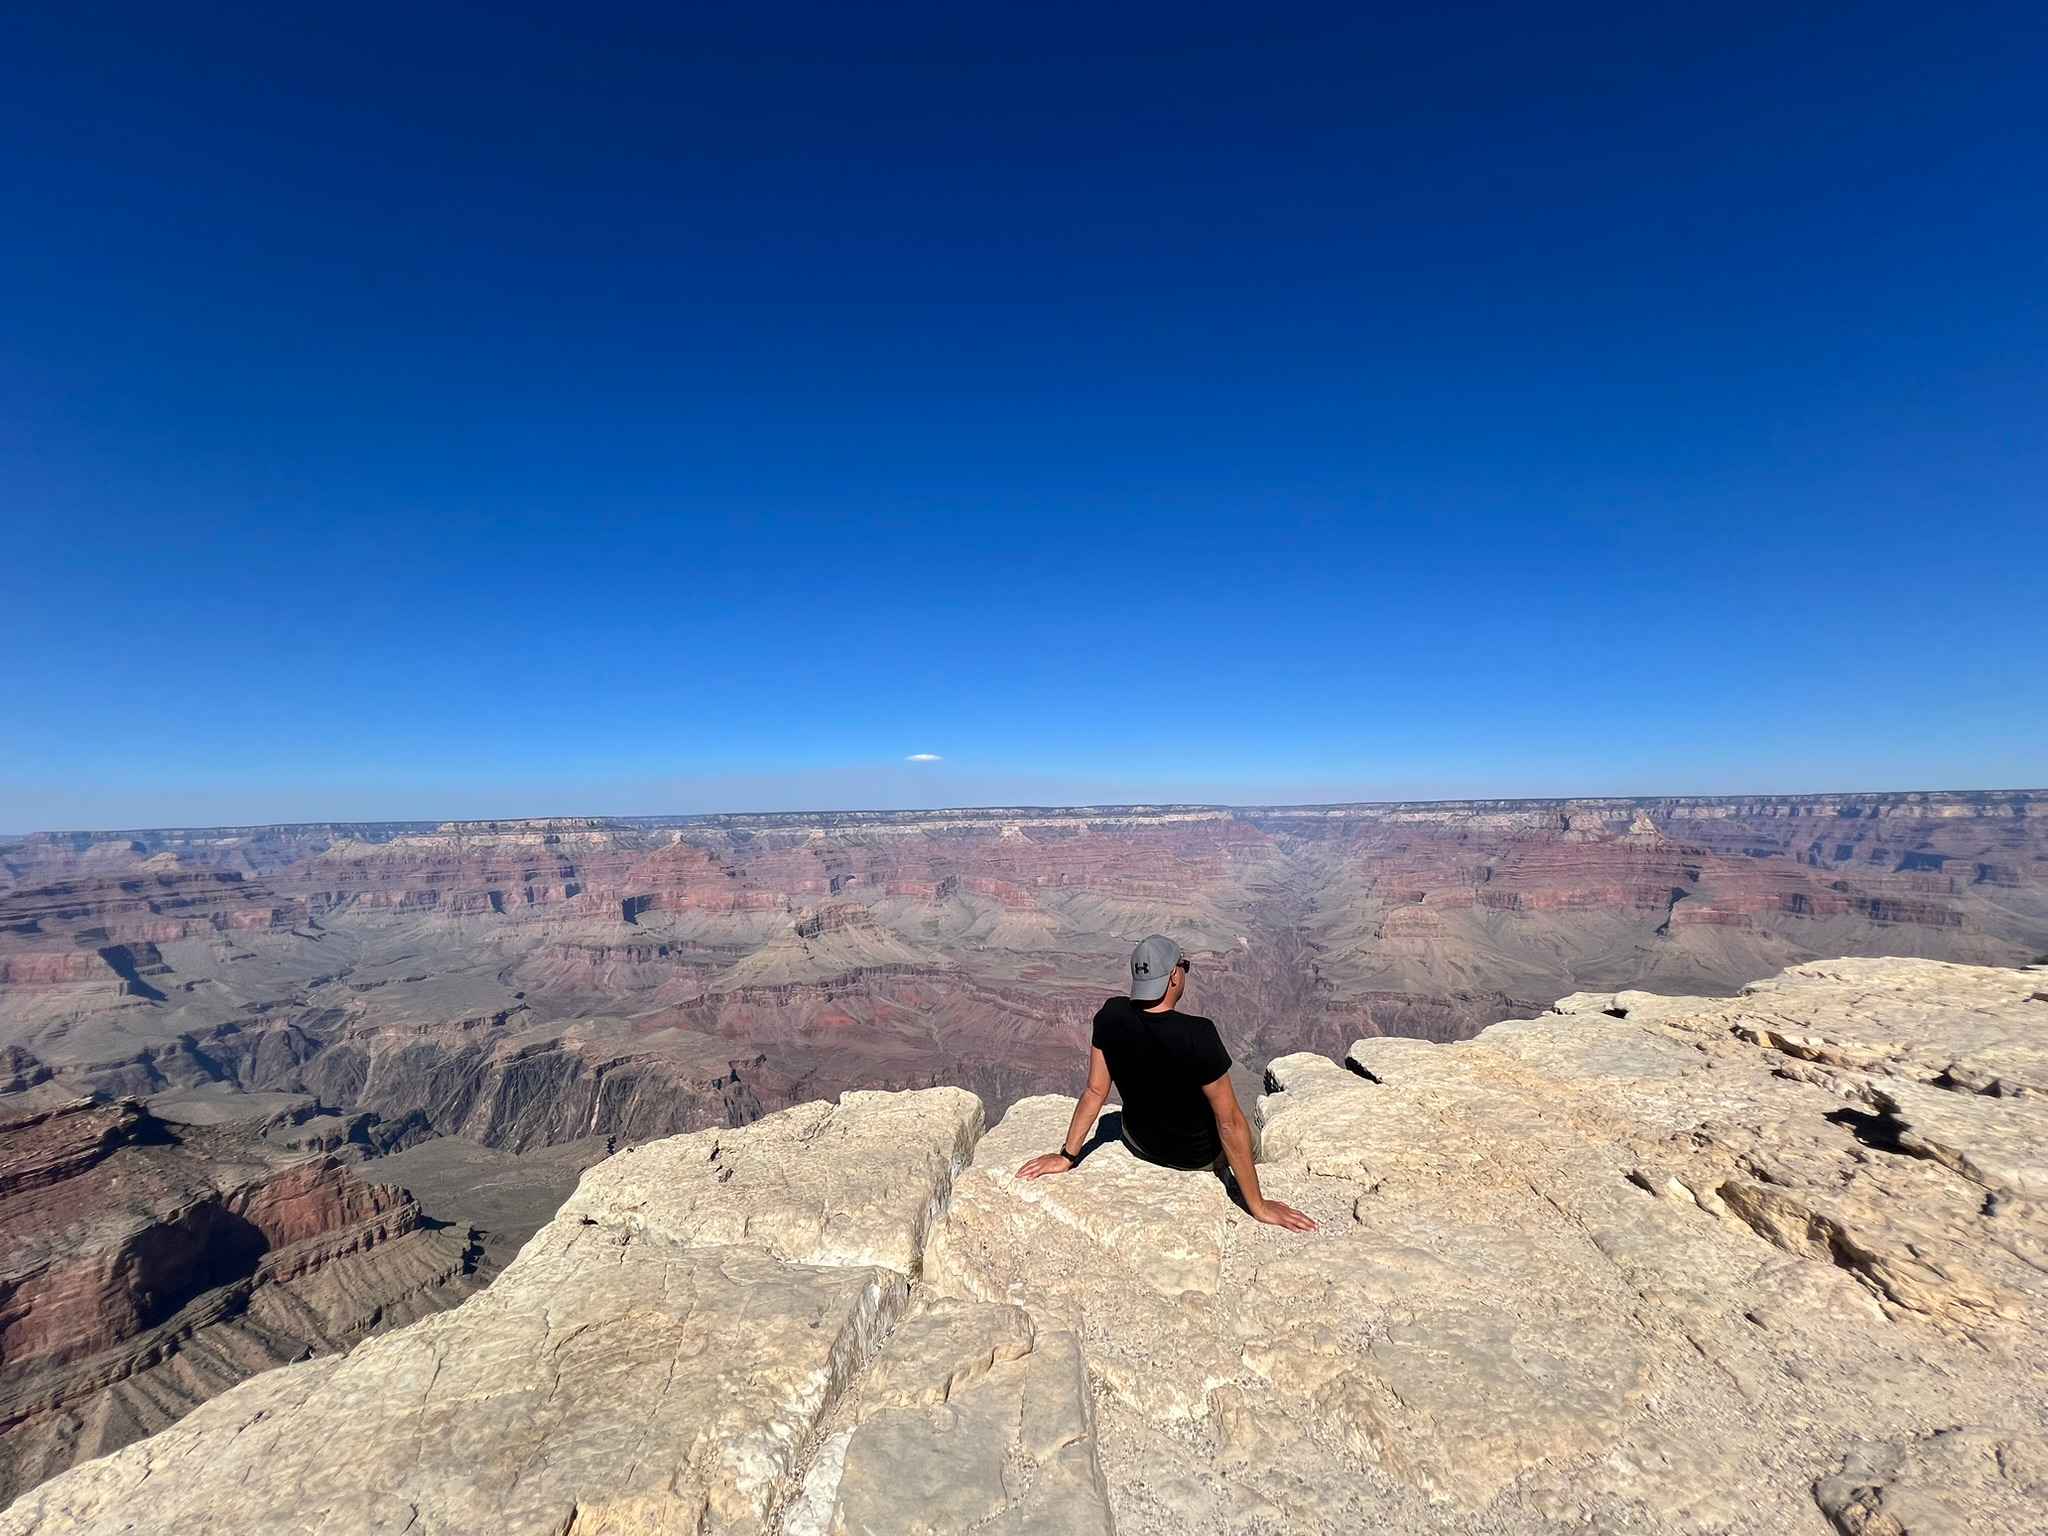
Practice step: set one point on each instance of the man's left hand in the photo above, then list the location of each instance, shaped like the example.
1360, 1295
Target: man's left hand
1039, 1167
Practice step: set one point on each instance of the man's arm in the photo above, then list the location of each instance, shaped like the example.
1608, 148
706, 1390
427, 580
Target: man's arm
1093, 1097
1236, 1136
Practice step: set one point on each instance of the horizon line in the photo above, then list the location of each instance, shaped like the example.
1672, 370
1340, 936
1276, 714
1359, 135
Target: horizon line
1089, 805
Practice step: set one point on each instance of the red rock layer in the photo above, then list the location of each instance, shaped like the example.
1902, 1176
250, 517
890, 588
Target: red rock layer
114, 1225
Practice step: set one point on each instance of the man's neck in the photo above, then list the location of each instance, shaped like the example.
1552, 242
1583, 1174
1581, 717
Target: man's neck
1161, 1006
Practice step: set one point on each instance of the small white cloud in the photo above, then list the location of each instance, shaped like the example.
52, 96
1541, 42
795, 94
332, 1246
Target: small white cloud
923, 757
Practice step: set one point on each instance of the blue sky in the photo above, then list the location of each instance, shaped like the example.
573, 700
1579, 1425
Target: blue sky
432, 411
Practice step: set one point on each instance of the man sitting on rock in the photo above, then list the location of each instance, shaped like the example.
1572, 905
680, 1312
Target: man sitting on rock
1173, 1075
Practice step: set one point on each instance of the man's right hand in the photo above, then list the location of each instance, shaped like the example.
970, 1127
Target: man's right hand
1274, 1213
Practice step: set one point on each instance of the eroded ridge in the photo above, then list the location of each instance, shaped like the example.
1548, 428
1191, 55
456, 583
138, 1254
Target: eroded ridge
1765, 1264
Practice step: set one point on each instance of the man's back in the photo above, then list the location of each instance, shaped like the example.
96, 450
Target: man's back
1160, 1063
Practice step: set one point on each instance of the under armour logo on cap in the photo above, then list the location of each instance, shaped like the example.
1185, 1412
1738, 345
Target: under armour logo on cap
1152, 963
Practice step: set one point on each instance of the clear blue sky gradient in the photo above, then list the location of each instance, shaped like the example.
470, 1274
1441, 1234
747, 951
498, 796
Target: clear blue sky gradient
432, 411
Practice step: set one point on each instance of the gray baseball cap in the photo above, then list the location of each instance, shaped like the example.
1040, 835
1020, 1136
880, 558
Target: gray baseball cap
1152, 964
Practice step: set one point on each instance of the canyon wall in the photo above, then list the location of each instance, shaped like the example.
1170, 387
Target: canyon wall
151, 1265
530, 983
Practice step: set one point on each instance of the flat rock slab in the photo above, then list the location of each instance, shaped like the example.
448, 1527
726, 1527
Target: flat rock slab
1488, 1351
971, 1420
859, 1182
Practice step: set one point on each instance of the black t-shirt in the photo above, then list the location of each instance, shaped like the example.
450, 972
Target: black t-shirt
1160, 1063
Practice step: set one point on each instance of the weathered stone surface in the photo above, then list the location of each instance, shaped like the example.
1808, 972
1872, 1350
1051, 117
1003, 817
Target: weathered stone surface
1967, 1481
942, 1348
638, 1367
605, 1374
858, 1182
1998, 1142
1650, 1272
971, 1420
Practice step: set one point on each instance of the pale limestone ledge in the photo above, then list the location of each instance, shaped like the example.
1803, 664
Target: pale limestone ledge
658, 1358
1773, 1263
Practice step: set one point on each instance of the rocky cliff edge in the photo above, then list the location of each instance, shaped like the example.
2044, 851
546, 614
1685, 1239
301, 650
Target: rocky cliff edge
1775, 1263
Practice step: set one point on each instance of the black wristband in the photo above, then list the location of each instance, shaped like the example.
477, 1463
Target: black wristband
1072, 1157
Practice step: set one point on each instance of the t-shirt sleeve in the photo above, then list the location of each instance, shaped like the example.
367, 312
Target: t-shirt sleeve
1211, 1060
1095, 1036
